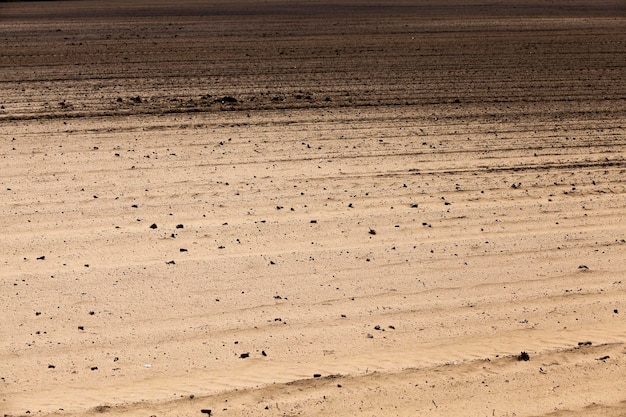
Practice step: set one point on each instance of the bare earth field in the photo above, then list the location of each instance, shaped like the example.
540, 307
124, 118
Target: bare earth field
318, 209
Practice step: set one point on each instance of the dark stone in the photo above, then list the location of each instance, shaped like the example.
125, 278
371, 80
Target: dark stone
263, 353
244, 355
51, 366
206, 411
153, 226
179, 226
317, 375
372, 232
584, 343
226, 99
41, 258
523, 357
170, 263
183, 250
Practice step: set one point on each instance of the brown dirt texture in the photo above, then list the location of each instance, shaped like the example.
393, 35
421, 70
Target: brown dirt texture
278, 208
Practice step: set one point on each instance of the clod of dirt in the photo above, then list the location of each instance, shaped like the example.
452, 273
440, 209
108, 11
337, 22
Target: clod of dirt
523, 357
226, 99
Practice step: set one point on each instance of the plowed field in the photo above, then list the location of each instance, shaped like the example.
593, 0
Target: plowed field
280, 209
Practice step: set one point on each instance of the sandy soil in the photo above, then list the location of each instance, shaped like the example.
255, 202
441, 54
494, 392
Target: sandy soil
271, 209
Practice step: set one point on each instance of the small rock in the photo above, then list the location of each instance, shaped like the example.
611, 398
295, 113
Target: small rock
180, 226
523, 357
41, 258
372, 232
206, 411
317, 375
153, 226
244, 355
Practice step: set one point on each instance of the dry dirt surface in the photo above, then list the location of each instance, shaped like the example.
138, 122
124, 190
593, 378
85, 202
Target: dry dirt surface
278, 208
